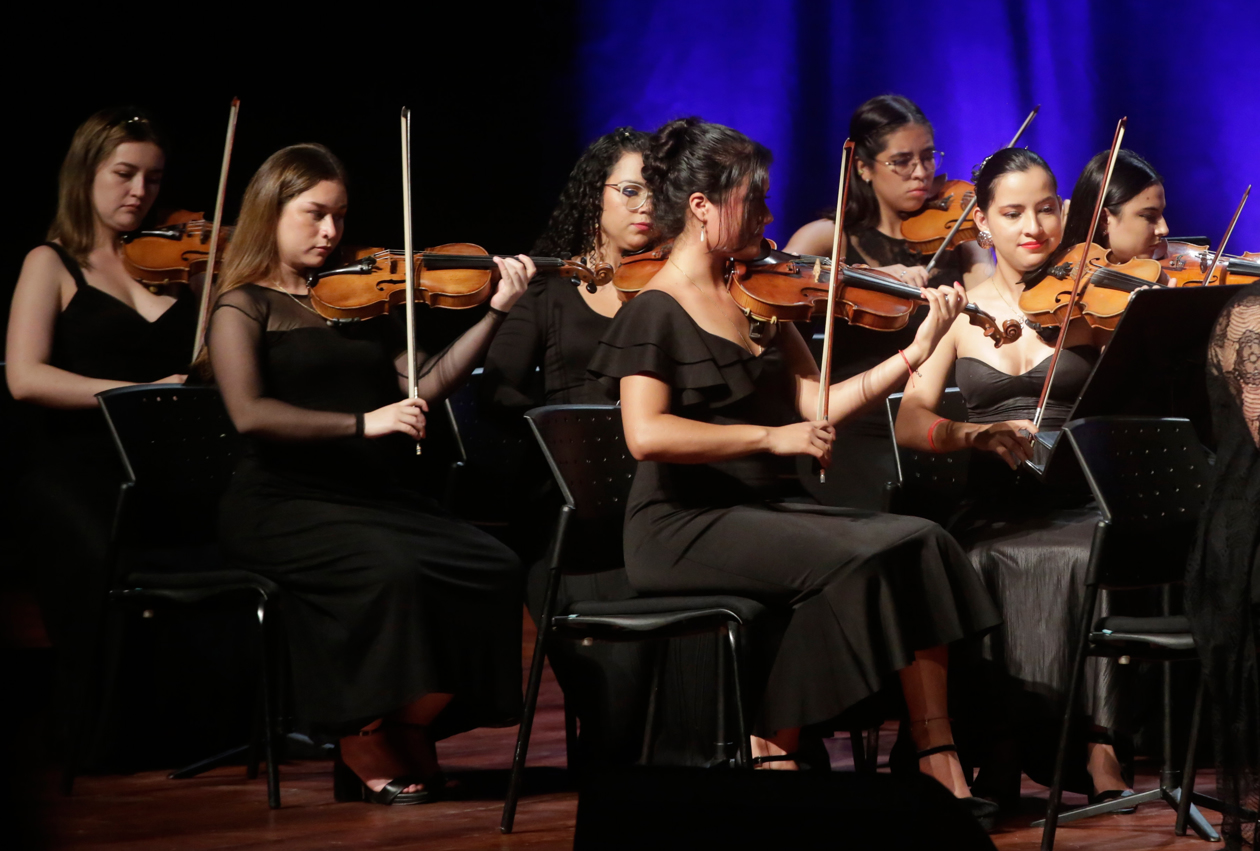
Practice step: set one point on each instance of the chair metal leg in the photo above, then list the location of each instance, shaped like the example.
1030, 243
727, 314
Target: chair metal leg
535, 677
859, 751
270, 711
1078, 666
744, 754
872, 750
654, 690
204, 765
571, 750
721, 745
1196, 717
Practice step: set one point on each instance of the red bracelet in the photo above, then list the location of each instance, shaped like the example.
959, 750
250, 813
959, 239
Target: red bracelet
932, 428
913, 372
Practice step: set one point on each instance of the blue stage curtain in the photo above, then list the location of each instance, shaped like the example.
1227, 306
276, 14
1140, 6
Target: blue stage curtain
790, 73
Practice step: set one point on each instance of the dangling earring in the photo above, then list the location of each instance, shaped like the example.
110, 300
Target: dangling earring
984, 240
703, 239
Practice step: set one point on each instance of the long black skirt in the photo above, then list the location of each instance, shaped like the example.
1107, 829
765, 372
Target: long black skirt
864, 592
385, 599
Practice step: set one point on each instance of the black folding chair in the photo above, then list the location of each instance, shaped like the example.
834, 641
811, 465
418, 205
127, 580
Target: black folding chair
929, 484
177, 447
1149, 477
586, 449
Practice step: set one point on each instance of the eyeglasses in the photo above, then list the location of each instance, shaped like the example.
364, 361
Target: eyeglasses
635, 195
903, 166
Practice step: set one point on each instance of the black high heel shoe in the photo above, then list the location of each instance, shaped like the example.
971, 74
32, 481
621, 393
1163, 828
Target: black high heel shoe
982, 809
347, 786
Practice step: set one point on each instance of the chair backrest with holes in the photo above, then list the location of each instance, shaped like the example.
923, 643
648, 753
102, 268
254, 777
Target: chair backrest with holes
494, 469
586, 449
1149, 476
178, 448
930, 484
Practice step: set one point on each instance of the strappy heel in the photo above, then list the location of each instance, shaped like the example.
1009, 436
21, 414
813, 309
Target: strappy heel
348, 786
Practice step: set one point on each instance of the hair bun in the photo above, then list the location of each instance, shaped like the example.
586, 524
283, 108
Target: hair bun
666, 146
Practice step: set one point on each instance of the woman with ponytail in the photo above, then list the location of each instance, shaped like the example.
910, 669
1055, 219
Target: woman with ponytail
712, 412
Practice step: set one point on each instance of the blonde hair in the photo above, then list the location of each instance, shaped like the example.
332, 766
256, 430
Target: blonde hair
74, 226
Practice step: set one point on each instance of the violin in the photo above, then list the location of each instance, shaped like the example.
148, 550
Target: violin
637, 269
171, 253
937, 223
457, 275
1186, 264
1104, 290
793, 292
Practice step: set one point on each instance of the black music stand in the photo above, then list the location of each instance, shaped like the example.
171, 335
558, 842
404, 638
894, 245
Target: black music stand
1155, 365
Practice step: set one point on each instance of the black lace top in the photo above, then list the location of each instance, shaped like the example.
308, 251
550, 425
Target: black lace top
1223, 579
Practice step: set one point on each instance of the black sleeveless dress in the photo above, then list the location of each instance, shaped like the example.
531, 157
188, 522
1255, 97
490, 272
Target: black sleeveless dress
388, 597
76, 471
862, 591
863, 443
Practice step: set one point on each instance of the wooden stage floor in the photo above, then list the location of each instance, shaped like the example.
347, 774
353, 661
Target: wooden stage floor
221, 809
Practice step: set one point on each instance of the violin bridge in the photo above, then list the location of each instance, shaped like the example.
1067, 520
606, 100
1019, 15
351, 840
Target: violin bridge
818, 270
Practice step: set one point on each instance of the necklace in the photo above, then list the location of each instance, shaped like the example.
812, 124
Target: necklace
1015, 310
745, 341
298, 301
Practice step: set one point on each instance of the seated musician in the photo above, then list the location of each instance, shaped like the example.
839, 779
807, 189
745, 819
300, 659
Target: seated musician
710, 413
80, 324
1132, 222
1030, 544
894, 174
404, 623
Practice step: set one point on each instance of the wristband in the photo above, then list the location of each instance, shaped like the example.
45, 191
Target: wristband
498, 312
358, 425
931, 429
910, 369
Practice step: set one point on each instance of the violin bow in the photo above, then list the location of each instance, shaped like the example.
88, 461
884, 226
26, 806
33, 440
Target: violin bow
1216, 258
824, 365
409, 261
203, 308
1080, 273
971, 205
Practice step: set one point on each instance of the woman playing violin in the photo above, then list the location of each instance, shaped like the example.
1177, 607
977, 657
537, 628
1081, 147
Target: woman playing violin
403, 622
1132, 223
1021, 538
80, 325
896, 175
710, 413
895, 171
539, 357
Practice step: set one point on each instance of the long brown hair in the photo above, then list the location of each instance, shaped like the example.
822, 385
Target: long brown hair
74, 226
253, 254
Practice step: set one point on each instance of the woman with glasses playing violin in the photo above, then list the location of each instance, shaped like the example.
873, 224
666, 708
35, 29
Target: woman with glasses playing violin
894, 175
539, 357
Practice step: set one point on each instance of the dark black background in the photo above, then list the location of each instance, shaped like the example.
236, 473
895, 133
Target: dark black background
492, 141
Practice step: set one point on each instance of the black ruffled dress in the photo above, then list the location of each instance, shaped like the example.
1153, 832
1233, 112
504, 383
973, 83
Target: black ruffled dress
863, 590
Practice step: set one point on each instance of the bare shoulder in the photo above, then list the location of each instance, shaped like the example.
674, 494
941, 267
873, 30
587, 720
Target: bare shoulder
812, 238
43, 261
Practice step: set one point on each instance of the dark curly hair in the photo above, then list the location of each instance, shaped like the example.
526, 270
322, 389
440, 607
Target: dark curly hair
688, 155
1131, 176
872, 123
574, 227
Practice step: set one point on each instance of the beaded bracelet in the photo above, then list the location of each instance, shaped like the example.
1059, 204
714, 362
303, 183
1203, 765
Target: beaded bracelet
910, 369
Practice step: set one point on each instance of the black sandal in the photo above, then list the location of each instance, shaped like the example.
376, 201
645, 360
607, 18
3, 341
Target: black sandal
348, 786
783, 757
982, 809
